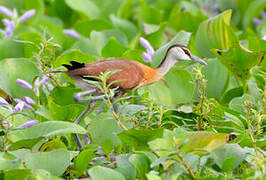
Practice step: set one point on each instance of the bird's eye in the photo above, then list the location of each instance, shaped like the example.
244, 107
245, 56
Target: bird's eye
186, 52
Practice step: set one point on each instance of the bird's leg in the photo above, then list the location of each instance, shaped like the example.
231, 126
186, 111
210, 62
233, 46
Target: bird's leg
78, 97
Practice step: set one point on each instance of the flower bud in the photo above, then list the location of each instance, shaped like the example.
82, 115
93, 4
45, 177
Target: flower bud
28, 124
27, 15
71, 33
6, 11
24, 84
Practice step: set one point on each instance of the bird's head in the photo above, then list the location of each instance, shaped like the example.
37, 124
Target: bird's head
179, 52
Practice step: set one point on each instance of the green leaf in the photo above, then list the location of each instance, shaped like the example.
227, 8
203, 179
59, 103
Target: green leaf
215, 33
179, 18
125, 168
139, 138
216, 75
156, 38
239, 60
103, 129
11, 49
141, 164
86, 27
52, 144
126, 26
63, 95
56, 161
29, 143
86, 7
177, 88
113, 49
230, 155
83, 159
40, 174
46, 129
10, 164
198, 142
253, 10
149, 14
153, 177
230, 94
72, 55
100, 173
12, 69
17, 174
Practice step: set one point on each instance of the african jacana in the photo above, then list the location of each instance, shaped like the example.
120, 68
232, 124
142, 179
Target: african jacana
133, 73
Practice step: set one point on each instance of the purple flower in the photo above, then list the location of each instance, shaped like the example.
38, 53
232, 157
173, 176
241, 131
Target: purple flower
19, 107
36, 86
28, 100
27, 15
262, 14
145, 43
87, 139
3, 103
6, 11
71, 33
10, 26
26, 105
256, 21
28, 124
24, 84
146, 57
215, 9
44, 80
6, 22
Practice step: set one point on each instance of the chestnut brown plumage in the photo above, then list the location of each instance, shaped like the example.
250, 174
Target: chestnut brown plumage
133, 73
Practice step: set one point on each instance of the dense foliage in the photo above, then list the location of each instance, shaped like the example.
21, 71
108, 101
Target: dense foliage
182, 127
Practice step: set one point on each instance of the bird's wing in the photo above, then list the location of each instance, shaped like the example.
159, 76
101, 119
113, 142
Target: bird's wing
130, 71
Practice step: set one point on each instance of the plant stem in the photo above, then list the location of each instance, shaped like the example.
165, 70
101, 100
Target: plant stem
111, 105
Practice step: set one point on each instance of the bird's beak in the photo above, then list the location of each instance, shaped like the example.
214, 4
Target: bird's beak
197, 59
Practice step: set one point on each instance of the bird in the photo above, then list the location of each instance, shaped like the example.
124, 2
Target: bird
132, 73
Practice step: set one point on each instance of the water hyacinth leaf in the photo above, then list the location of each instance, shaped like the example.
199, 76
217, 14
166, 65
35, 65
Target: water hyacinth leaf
100, 173
253, 10
83, 159
17, 174
188, 142
113, 49
181, 37
186, 12
125, 167
226, 152
52, 144
6, 164
215, 33
153, 177
216, 75
65, 112
11, 70
103, 129
27, 144
239, 60
139, 138
230, 94
157, 38
126, 26
46, 129
11, 49
63, 95
42, 174
86, 27
141, 164
85, 7
149, 14
55, 162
